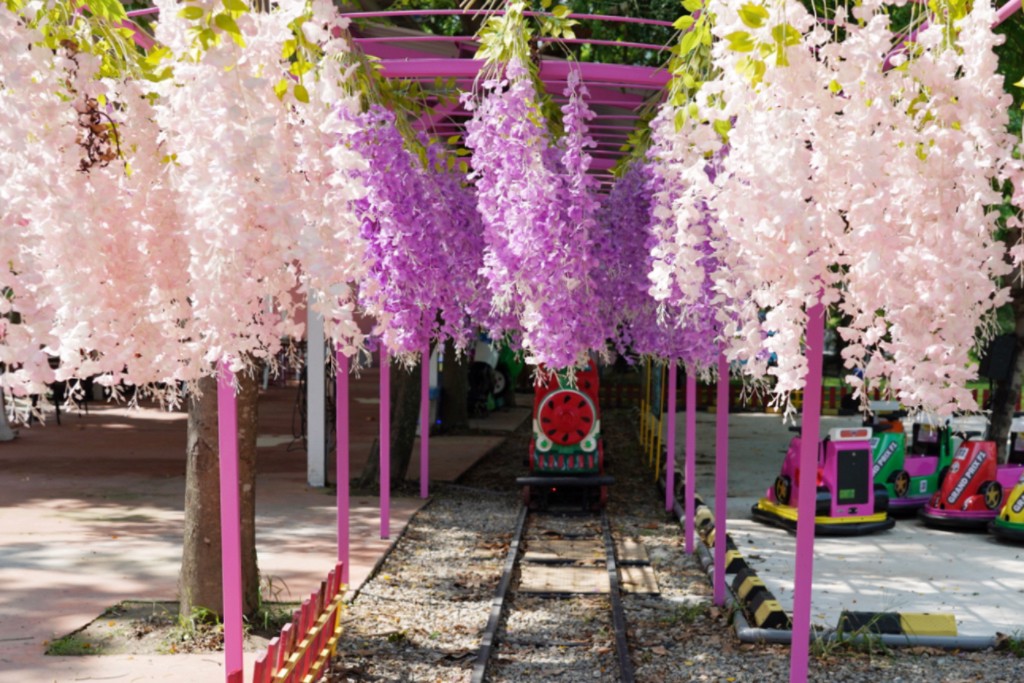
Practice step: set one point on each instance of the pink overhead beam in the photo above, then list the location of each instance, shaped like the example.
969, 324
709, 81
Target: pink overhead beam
487, 13
466, 82
425, 38
619, 74
430, 38
401, 51
1006, 11
613, 117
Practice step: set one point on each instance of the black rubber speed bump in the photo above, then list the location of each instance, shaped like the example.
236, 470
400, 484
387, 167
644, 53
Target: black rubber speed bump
767, 612
898, 623
734, 562
746, 583
758, 602
703, 519
709, 540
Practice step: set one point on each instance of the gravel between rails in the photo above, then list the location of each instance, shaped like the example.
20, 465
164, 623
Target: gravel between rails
420, 618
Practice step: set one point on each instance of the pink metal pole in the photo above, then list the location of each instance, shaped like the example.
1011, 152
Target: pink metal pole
425, 425
385, 444
721, 476
806, 493
690, 468
341, 452
1006, 11
670, 440
230, 522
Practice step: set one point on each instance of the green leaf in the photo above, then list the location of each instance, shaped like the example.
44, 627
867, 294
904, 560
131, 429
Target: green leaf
781, 58
751, 69
156, 55
192, 13
545, 4
207, 38
683, 23
689, 42
227, 24
692, 6
753, 16
454, 140
835, 87
560, 11
301, 94
287, 49
785, 35
235, 6
704, 33
740, 41
722, 127
280, 88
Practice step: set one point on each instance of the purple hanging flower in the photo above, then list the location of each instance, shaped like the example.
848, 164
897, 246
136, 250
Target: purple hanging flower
537, 205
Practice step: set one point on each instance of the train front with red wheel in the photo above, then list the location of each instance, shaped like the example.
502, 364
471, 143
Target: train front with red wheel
566, 449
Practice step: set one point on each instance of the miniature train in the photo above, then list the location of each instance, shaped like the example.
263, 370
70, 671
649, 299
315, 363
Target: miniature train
566, 448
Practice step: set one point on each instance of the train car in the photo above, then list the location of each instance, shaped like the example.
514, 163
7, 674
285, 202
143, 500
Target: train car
566, 449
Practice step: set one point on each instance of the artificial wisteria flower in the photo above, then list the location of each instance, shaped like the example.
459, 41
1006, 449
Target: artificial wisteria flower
412, 232
846, 183
538, 213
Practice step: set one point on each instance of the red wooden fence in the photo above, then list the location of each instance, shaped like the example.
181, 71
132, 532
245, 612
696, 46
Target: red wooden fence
614, 395
301, 652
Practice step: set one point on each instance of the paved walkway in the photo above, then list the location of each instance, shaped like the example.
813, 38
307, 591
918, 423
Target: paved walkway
91, 514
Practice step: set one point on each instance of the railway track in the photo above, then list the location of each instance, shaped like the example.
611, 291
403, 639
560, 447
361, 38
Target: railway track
566, 566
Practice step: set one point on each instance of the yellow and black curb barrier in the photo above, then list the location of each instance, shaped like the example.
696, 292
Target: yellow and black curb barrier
898, 623
760, 618
752, 596
758, 602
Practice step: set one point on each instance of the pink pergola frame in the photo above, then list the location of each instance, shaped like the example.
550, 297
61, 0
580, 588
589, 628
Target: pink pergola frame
620, 92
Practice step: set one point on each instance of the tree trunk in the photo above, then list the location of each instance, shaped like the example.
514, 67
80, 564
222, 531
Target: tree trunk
454, 391
1007, 393
6, 433
200, 585
248, 426
405, 414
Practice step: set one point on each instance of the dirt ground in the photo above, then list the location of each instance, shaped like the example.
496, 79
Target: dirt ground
154, 627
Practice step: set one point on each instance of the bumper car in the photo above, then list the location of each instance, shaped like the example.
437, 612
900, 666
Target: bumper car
910, 475
1009, 524
973, 491
847, 502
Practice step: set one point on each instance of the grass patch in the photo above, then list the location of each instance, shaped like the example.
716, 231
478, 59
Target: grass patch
864, 640
1014, 643
685, 614
72, 645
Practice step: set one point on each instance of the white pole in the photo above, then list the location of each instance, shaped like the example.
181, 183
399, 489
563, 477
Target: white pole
6, 433
316, 415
